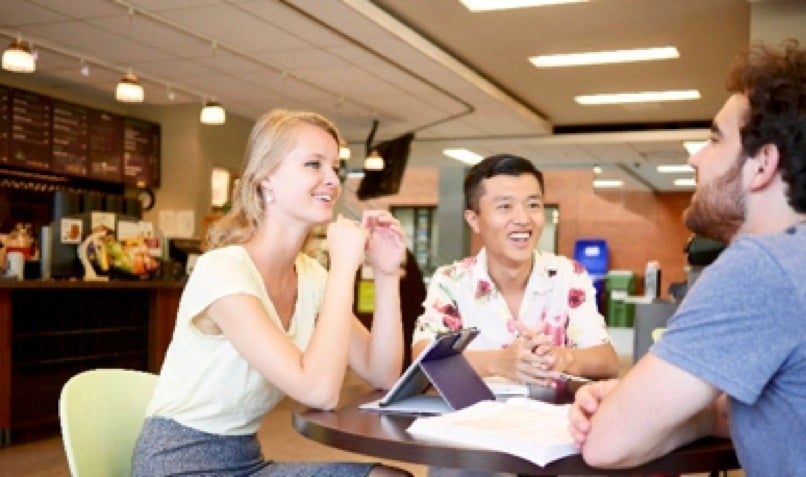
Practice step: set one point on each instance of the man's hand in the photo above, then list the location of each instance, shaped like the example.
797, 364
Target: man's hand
586, 403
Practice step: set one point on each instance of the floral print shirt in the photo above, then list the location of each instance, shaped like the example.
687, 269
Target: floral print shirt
559, 296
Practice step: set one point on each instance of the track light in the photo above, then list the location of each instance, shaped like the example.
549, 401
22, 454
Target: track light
18, 57
213, 113
129, 89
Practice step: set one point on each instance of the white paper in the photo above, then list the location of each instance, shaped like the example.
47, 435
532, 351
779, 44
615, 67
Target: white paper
102, 219
167, 222
533, 430
127, 229
185, 223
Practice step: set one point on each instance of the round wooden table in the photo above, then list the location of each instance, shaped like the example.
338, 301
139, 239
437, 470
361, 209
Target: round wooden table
384, 435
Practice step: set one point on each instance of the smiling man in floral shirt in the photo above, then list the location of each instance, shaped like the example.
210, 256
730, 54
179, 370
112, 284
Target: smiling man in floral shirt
536, 311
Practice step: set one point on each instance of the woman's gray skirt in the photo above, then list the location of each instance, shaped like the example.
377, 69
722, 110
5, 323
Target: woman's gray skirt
166, 447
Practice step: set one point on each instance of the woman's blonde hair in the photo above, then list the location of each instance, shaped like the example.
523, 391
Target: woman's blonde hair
271, 139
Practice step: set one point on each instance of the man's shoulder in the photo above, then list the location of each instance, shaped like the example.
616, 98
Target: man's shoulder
786, 247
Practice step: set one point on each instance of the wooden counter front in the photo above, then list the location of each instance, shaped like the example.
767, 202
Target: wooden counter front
51, 330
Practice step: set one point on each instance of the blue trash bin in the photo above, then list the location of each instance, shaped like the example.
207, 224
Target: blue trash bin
593, 255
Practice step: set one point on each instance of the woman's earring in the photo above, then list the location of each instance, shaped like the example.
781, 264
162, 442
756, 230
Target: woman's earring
269, 198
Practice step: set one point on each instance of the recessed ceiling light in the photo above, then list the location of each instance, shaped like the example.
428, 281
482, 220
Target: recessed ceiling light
488, 5
607, 183
605, 57
693, 146
674, 168
463, 155
641, 97
690, 182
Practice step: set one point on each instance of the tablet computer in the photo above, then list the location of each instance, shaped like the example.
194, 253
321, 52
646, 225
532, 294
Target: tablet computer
442, 365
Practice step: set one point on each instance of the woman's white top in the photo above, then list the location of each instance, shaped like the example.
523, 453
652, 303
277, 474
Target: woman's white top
205, 383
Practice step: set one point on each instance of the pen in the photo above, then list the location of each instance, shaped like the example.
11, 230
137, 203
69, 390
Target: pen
572, 377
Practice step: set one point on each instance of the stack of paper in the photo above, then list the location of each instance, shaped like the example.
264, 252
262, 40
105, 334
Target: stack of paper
533, 430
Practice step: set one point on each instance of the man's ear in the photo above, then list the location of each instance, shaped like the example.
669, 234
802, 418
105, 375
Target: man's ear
472, 220
766, 162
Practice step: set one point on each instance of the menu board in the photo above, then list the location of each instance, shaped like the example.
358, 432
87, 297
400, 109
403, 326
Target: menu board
47, 134
141, 152
30, 130
5, 123
70, 139
105, 146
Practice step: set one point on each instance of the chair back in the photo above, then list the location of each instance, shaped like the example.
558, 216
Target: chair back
101, 413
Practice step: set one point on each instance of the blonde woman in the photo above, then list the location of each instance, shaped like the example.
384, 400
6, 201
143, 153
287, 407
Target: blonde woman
259, 319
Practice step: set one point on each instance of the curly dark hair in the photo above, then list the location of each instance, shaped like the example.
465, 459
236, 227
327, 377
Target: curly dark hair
500, 164
775, 84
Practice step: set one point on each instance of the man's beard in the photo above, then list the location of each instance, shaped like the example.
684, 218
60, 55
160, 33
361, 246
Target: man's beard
717, 209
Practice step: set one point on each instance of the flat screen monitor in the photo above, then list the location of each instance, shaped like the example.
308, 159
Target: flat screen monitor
395, 153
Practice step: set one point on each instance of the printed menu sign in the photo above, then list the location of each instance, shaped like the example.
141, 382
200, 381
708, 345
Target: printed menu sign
105, 146
70, 139
30, 130
141, 153
5, 123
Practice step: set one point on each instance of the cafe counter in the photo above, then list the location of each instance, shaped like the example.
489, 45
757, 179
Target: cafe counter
51, 330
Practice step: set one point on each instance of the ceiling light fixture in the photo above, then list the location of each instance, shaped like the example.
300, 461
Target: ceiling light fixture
674, 168
605, 57
692, 147
18, 58
641, 97
690, 182
213, 114
374, 162
597, 169
488, 5
607, 183
129, 89
344, 152
463, 155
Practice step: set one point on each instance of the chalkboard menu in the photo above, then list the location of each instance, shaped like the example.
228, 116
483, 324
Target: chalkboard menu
30, 130
70, 143
105, 146
44, 134
5, 123
141, 152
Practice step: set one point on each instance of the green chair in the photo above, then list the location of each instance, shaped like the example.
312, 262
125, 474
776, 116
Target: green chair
101, 413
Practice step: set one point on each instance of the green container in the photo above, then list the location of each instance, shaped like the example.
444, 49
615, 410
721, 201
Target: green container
619, 284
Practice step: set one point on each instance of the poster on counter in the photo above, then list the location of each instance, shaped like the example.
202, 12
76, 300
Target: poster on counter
71, 230
102, 219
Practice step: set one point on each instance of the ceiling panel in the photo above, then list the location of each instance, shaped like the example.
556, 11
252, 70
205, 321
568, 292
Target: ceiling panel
456, 78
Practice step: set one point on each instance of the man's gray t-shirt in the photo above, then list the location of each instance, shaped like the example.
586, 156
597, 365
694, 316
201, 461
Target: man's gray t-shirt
742, 328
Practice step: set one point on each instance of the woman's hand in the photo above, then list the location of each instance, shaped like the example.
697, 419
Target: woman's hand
386, 247
346, 240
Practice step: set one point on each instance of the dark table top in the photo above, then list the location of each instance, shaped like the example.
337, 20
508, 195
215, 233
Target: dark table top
385, 436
